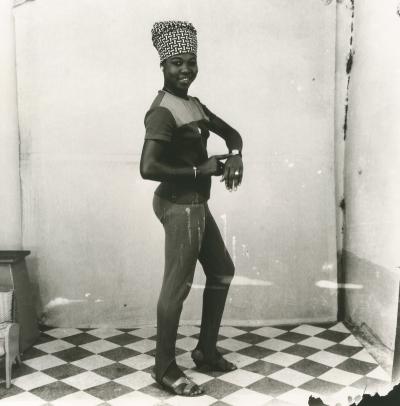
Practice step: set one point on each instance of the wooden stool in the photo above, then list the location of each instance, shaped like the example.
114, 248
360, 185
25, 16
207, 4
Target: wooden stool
9, 347
14, 276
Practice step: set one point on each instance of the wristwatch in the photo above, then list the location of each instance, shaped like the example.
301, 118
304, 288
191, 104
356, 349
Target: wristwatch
236, 152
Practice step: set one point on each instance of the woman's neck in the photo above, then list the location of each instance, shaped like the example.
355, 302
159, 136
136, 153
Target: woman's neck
182, 94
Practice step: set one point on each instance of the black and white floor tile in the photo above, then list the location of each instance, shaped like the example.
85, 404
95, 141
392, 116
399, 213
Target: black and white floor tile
278, 366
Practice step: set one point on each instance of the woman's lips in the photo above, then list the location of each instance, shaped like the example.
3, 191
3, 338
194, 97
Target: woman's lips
184, 80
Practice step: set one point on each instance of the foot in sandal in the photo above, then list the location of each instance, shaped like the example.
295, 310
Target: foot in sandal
183, 386
216, 363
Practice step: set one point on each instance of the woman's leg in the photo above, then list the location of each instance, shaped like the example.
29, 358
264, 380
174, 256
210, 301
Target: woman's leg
219, 270
184, 227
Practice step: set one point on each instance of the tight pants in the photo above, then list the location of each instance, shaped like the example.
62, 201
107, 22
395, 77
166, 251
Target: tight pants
191, 234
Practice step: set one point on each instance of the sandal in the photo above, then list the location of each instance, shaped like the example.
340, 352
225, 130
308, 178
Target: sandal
218, 364
183, 386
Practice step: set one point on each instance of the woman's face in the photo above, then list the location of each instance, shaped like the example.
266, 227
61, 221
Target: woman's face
179, 72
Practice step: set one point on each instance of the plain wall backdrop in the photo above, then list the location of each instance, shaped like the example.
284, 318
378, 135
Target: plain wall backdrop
10, 197
87, 73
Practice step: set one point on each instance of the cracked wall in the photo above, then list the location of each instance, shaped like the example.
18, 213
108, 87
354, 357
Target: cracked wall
371, 171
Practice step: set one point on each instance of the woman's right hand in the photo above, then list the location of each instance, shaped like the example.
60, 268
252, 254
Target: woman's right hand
213, 166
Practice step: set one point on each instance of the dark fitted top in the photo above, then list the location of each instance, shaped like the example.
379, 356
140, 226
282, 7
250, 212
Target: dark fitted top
184, 125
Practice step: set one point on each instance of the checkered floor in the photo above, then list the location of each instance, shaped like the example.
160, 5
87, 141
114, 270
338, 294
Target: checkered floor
277, 367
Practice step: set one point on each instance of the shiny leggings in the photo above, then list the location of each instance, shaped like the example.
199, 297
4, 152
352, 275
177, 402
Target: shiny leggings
191, 234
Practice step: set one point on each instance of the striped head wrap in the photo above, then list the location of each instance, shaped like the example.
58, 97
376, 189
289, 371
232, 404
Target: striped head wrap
174, 38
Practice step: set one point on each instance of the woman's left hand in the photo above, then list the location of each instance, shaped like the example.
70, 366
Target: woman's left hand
233, 172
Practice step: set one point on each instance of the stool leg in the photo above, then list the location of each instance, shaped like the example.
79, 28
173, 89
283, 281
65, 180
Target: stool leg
11, 349
8, 370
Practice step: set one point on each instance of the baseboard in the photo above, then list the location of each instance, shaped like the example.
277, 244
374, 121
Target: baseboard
233, 323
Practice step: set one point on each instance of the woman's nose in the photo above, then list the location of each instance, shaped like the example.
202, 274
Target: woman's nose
185, 68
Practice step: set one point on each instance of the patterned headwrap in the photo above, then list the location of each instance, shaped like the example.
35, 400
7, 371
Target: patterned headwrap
173, 38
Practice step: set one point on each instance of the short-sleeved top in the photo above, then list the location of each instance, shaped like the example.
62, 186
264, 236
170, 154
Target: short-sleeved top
182, 124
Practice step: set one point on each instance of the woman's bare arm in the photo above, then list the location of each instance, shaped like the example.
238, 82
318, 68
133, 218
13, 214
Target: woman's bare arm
233, 172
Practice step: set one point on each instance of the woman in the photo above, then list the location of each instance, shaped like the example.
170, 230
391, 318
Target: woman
174, 153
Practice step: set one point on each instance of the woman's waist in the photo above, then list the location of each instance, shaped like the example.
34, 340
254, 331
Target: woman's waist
194, 191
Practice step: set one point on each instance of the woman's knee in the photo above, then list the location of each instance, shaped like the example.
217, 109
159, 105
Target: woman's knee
173, 297
228, 276
224, 275
229, 268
